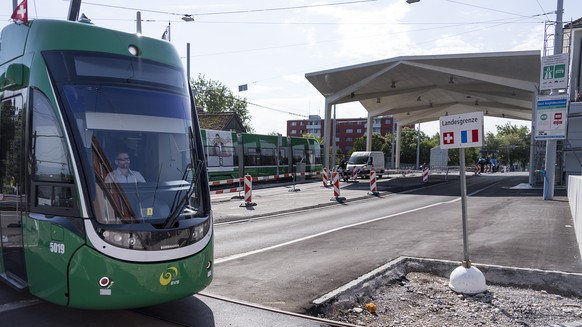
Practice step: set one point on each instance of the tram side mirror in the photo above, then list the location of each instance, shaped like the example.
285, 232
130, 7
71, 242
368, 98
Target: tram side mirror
15, 77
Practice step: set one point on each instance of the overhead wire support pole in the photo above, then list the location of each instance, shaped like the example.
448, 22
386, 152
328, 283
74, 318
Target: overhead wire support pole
552, 145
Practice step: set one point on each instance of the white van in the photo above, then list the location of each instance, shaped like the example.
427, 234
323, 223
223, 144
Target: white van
364, 161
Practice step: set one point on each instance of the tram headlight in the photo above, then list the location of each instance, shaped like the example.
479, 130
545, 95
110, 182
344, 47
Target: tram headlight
198, 233
122, 239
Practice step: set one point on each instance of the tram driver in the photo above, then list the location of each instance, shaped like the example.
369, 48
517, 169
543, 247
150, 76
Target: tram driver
122, 174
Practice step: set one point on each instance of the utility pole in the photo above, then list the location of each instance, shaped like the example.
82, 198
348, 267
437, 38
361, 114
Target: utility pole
552, 145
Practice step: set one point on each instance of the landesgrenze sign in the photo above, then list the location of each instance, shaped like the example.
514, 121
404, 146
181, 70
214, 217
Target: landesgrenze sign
461, 131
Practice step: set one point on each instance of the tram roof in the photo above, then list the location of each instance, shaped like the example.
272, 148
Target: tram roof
416, 89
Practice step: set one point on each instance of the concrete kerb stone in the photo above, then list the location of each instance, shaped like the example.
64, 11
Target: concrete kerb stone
557, 282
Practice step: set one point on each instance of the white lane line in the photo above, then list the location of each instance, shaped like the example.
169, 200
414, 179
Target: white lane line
301, 239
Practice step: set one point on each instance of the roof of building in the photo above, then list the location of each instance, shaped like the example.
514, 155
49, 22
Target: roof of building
222, 121
417, 89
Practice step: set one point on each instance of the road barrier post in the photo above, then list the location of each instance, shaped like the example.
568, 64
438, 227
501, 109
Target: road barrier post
336, 188
325, 176
248, 188
425, 172
373, 189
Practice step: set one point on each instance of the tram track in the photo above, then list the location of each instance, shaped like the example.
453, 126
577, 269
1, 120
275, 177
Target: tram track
327, 322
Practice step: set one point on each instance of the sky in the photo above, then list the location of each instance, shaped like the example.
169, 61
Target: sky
271, 45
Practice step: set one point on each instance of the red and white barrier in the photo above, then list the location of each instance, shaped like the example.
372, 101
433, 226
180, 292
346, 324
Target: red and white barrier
354, 174
425, 172
227, 190
373, 188
336, 187
248, 187
325, 176
335, 182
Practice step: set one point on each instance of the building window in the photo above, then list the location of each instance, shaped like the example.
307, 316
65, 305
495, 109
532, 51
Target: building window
349, 130
359, 131
349, 139
293, 131
293, 123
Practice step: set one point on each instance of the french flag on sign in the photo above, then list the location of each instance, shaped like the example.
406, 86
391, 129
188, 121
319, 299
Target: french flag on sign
470, 136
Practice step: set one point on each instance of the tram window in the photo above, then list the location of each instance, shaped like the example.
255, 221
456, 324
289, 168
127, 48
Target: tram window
283, 157
54, 196
52, 178
309, 157
252, 157
49, 151
298, 156
11, 149
268, 157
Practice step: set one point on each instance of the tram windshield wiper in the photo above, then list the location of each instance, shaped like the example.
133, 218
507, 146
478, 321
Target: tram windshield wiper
197, 170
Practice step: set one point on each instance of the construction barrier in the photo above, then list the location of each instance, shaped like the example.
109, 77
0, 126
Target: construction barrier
354, 174
227, 190
425, 172
336, 187
325, 176
373, 189
248, 192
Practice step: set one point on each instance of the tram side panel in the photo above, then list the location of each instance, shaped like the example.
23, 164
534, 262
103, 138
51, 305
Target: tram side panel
49, 249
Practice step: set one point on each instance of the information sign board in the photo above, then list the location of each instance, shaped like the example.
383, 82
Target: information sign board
551, 117
554, 72
461, 131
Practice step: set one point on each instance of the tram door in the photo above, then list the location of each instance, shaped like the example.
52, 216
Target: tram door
12, 199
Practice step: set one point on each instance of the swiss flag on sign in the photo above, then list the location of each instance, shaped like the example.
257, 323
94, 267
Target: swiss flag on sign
448, 138
21, 13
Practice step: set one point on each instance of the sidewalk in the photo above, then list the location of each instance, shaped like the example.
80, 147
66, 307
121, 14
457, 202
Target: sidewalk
311, 194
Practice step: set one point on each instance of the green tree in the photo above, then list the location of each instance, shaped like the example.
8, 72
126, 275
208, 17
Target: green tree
213, 96
378, 142
514, 144
313, 136
408, 146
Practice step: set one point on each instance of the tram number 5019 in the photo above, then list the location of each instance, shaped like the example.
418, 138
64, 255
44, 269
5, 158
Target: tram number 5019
57, 248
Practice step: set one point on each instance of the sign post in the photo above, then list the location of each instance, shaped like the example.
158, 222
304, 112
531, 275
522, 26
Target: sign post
460, 132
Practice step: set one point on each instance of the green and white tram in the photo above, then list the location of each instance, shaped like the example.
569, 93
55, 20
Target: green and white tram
231, 155
105, 201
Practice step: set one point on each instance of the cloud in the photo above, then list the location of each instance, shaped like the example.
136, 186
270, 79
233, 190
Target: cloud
363, 32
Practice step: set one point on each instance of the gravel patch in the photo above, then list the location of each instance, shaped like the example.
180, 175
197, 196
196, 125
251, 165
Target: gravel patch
424, 299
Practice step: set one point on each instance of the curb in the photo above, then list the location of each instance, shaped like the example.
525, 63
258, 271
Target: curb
556, 282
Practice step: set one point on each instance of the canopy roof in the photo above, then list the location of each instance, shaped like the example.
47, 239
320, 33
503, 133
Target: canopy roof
417, 89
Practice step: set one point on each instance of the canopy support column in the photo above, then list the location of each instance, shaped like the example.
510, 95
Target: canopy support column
326, 133
398, 133
369, 130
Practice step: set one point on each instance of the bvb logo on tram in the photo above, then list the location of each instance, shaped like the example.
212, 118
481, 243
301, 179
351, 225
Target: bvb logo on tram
170, 276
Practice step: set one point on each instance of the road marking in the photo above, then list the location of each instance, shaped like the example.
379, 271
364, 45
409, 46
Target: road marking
301, 239
333, 230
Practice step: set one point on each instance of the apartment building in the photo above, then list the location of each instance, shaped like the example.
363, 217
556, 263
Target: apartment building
347, 129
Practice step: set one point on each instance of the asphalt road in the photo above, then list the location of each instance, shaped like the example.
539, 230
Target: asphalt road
286, 261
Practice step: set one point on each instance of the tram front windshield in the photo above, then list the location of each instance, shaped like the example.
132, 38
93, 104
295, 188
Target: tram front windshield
137, 138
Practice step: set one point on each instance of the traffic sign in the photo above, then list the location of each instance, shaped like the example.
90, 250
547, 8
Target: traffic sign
554, 72
551, 117
461, 131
